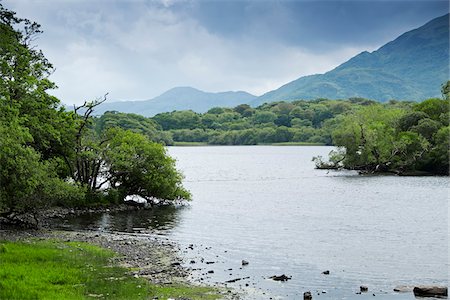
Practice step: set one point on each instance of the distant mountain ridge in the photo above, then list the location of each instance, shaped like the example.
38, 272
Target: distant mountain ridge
179, 98
411, 67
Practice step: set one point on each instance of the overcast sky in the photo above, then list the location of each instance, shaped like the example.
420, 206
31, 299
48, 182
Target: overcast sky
136, 50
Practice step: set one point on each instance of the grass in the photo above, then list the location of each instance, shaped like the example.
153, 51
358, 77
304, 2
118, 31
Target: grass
70, 270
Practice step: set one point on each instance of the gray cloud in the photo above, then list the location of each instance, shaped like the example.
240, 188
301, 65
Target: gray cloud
139, 49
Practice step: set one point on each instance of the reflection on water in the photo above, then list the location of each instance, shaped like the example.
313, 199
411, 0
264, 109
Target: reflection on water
160, 219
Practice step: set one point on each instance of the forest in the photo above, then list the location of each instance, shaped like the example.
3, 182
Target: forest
307, 122
397, 136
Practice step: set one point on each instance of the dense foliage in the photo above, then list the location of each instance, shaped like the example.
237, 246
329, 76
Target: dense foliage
408, 139
135, 123
49, 156
277, 122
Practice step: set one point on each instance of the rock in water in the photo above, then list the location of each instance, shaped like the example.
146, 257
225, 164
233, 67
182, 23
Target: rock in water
430, 291
280, 278
403, 289
307, 296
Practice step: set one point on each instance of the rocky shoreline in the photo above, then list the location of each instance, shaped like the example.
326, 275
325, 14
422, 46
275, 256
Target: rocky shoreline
158, 259
40, 218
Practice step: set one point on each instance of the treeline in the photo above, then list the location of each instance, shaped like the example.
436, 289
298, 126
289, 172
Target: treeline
277, 122
51, 157
397, 136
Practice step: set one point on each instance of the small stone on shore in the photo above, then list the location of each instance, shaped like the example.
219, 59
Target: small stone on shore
281, 277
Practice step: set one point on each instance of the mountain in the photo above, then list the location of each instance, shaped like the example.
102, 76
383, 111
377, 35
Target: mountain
412, 67
179, 98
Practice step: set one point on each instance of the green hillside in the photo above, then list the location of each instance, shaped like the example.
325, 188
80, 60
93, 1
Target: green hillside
412, 67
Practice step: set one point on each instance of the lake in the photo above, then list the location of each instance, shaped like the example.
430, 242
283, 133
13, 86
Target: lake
269, 206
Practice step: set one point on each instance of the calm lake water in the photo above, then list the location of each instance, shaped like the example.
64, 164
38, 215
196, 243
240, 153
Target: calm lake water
269, 206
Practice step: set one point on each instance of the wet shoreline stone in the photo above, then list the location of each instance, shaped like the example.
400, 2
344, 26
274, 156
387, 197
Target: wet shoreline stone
42, 218
430, 291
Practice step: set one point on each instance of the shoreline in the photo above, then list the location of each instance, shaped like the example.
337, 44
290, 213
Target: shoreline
40, 219
149, 257
157, 260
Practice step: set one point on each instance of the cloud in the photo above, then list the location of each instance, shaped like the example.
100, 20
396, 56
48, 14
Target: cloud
139, 49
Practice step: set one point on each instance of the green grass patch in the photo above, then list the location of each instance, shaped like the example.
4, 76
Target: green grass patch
71, 270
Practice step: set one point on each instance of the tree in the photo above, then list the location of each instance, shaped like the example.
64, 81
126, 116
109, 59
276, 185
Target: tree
296, 122
208, 120
436, 109
133, 122
261, 117
246, 137
410, 119
186, 119
22, 174
216, 110
440, 154
137, 166
122, 160
426, 128
321, 113
301, 113
381, 138
244, 110
368, 136
24, 83
23, 69
283, 120
28, 182
408, 150
34, 132
227, 117
283, 108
